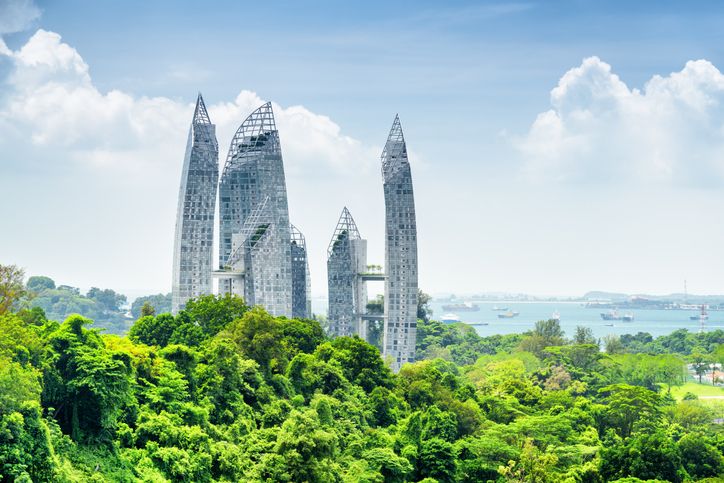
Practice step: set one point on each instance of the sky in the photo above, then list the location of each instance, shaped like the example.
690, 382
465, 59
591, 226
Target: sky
556, 147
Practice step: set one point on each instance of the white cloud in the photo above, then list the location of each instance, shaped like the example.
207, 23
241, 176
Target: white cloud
599, 129
17, 15
53, 101
308, 139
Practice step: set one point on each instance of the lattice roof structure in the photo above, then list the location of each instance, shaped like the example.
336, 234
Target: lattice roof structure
254, 134
346, 229
297, 236
201, 115
395, 152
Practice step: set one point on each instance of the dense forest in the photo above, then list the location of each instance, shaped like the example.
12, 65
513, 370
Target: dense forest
57, 302
225, 392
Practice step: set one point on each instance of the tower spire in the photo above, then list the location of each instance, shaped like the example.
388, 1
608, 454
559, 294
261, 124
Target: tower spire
394, 156
396, 135
201, 115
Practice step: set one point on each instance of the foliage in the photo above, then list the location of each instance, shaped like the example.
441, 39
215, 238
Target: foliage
222, 392
59, 302
161, 304
12, 289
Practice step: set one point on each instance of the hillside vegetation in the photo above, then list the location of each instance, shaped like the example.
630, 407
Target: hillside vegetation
224, 392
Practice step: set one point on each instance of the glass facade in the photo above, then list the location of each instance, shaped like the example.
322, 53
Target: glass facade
253, 182
301, 286
193, 241
346, 261
400, 334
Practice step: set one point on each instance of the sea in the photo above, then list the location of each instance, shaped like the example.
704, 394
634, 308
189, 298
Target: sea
572, 314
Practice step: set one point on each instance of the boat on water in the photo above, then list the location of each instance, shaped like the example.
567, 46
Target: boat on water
703, 315
556, 316
508, 315
449, 319
463, 307
610, 315
614, 315
499, 309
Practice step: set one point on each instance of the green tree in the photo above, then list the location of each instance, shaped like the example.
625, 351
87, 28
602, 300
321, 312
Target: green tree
306, 450
437, 460
700, 458
40, 283
360, 362
646, 456
534, 466
160, 302
628, 405
671, 370
258, 336
584, 335
152, 330
87, 384
12, 288
612, 344
424, 312
391, 467
18, 386
26, 449
701, 364
214, 312
545, 334
109, 299
228, 381
147, 310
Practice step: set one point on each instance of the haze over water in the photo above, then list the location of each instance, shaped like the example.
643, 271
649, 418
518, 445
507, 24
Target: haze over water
655, 322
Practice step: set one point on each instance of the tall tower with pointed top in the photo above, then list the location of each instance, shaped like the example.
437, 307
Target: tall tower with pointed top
346, 261
400, 335
301, 287
254, 173
193, 242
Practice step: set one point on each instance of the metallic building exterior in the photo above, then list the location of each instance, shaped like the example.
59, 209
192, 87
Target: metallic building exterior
401, 289
346, 261
193, 241
253, 182
301, 283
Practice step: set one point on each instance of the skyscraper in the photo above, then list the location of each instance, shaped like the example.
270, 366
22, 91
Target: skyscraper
400, 335
301, 286
346, 261
193, 242
254, 175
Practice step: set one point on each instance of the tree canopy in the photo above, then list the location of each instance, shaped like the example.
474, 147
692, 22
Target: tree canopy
224, 392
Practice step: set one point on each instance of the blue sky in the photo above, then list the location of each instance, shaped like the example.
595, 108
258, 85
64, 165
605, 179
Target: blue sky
535, 170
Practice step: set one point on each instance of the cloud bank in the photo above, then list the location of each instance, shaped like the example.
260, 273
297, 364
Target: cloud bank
15, 16
53, 102
599, 130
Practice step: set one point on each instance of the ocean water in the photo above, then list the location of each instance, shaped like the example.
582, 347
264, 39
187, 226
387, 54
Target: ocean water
655, 322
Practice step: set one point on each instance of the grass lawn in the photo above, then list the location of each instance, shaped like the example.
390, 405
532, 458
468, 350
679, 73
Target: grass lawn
699, 389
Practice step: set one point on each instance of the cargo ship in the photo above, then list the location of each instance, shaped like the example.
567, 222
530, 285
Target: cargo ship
614, 315
464, 307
